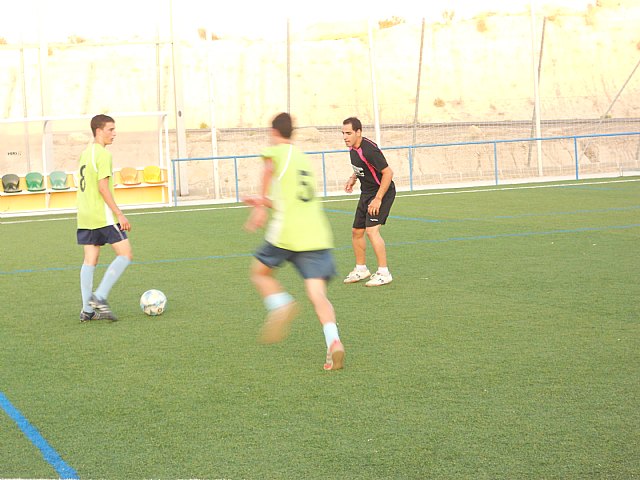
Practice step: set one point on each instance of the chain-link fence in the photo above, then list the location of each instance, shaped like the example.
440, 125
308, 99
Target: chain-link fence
411, 80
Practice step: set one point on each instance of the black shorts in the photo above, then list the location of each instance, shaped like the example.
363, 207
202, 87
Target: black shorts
100, 236
363, 219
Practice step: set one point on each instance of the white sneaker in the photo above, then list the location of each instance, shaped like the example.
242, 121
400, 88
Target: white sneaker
378, 279
356, 275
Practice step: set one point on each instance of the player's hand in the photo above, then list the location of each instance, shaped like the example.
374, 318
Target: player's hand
257, 219
252, 200
374, 206
348, 187
125, 226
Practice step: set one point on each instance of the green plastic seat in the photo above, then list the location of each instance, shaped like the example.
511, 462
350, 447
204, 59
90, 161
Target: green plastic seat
11, 183
58, 180
35, 182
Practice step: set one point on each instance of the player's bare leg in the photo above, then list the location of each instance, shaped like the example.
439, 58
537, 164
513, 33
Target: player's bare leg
281, 306
317, 292
359, 242
382, 276
378, 244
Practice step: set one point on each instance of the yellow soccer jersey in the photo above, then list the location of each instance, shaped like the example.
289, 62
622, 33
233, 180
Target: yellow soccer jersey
95, 164
298, 222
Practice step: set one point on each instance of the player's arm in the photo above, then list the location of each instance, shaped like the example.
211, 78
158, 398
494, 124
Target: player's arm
267, 175
348, 187
103, 188
262, 199
260, 203
385, 182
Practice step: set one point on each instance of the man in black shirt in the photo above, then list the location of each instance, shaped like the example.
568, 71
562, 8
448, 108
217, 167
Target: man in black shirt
377, 193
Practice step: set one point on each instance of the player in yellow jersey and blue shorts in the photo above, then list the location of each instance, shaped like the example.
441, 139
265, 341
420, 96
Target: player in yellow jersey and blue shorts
100, 221
297, 232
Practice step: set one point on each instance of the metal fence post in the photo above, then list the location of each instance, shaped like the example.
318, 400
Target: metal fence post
495, 160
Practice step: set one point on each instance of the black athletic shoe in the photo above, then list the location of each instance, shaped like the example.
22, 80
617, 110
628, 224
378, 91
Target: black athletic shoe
87, 317
102, 308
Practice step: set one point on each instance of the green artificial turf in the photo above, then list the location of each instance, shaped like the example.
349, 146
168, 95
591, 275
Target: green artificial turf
507, 346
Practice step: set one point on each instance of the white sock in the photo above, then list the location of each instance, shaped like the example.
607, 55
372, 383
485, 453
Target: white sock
383, 270
111, 276
330, 333
361, 268
86, 285
277, 300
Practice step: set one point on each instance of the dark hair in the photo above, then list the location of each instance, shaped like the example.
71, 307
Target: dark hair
355, 123
99, 121
283, 124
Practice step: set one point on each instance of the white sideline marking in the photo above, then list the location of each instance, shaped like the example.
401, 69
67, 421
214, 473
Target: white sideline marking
522, 187
348, 199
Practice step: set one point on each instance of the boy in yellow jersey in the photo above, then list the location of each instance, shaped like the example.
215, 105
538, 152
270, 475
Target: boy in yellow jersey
100, 221
298, 232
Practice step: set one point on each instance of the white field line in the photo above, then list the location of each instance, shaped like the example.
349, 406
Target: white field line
353, 198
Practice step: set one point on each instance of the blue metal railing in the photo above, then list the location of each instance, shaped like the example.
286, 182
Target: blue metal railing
410, 149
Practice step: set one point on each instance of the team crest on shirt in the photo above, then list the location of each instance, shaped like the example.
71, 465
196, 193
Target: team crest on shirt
359, 171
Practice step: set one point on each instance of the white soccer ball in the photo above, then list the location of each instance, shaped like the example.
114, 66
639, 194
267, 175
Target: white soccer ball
153, 302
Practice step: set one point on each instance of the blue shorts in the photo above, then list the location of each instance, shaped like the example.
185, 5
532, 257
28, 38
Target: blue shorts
311, 264
100, 236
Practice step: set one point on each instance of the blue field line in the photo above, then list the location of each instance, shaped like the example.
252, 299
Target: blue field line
515, 235
500, 217
49, 454
574, 212
345, 247
150, 262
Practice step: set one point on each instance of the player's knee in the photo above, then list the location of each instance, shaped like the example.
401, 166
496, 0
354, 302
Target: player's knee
374, 233
319, 300
357, 232
258, 274
128, 254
